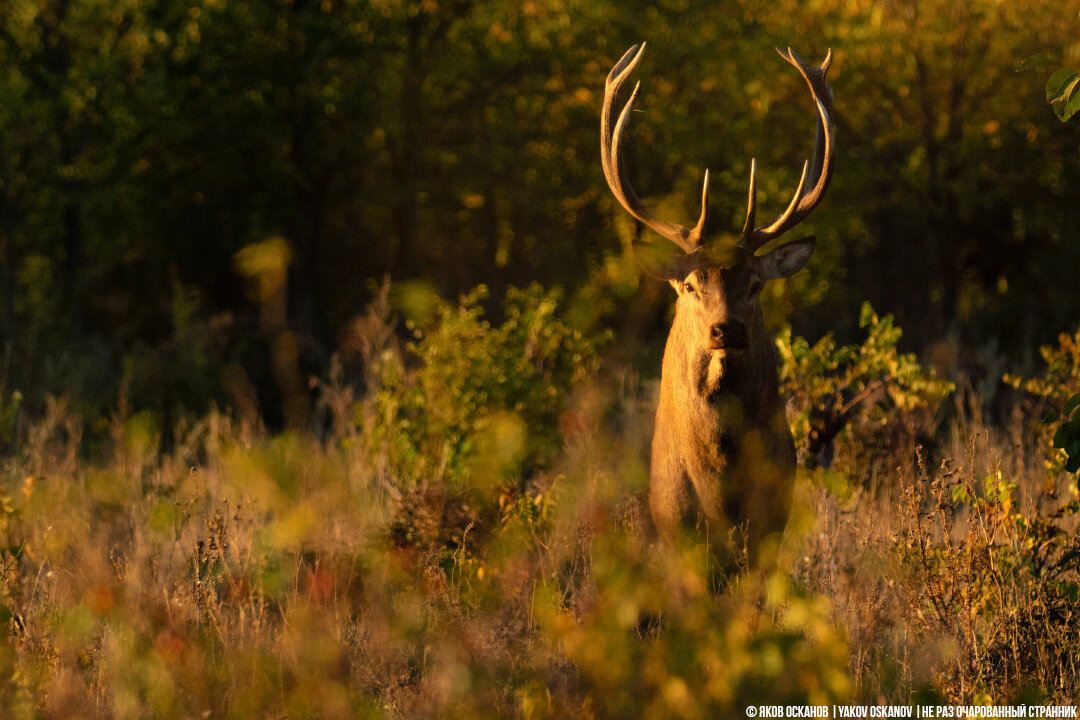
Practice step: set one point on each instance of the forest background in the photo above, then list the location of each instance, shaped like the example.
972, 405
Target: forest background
143, 145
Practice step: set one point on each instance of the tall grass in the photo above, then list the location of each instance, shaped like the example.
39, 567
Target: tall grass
468, 539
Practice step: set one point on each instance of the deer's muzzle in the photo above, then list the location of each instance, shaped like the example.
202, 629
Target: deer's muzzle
727, 336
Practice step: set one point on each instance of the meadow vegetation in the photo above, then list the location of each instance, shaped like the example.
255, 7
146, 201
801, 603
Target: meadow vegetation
464, 536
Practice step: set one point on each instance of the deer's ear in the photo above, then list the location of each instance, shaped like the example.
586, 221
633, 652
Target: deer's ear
788, 258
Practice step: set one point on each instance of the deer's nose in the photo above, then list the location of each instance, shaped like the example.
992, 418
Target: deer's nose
727, 335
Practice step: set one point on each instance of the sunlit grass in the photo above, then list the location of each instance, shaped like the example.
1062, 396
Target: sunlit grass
452, 548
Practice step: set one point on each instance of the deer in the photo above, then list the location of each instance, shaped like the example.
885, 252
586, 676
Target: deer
723, 457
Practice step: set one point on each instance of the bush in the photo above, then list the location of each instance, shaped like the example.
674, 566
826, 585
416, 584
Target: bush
473, 402
1059, 388
868, 390
697, 658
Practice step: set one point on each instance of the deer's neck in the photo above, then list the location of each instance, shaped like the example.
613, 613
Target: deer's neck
715, 383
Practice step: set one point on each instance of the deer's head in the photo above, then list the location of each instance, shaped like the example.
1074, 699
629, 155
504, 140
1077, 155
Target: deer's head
720, 287
721, 297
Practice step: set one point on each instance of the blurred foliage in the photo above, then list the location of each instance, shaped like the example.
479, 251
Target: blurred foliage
833, 389
1059, 387
246, 575
708, 659
143, 143
9, 417
1067, 436
1061, 93
468, 539
1061, 378
1006, 590
464, 424
465, 388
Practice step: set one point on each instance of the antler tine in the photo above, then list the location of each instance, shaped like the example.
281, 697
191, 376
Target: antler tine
751, 203
826, 62
615, 170
819, 171
698, 231
785, 218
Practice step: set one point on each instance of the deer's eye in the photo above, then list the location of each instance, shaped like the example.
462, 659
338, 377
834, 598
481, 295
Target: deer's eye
755, 287
689, 288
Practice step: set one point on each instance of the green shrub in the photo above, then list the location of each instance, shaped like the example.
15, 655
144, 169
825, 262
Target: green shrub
655, 643
472, 402
833, 389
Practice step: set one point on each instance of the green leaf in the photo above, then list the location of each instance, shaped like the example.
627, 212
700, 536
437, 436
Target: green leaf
1061, 92
1074, 464
1071, 405
1049, 416
1061, 436
1069, 108
1060, 84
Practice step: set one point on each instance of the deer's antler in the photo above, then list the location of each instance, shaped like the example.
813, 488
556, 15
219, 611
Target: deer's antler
820, 170
812, 184
688, 239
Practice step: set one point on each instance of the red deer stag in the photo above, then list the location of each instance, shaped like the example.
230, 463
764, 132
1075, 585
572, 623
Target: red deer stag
722, 454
